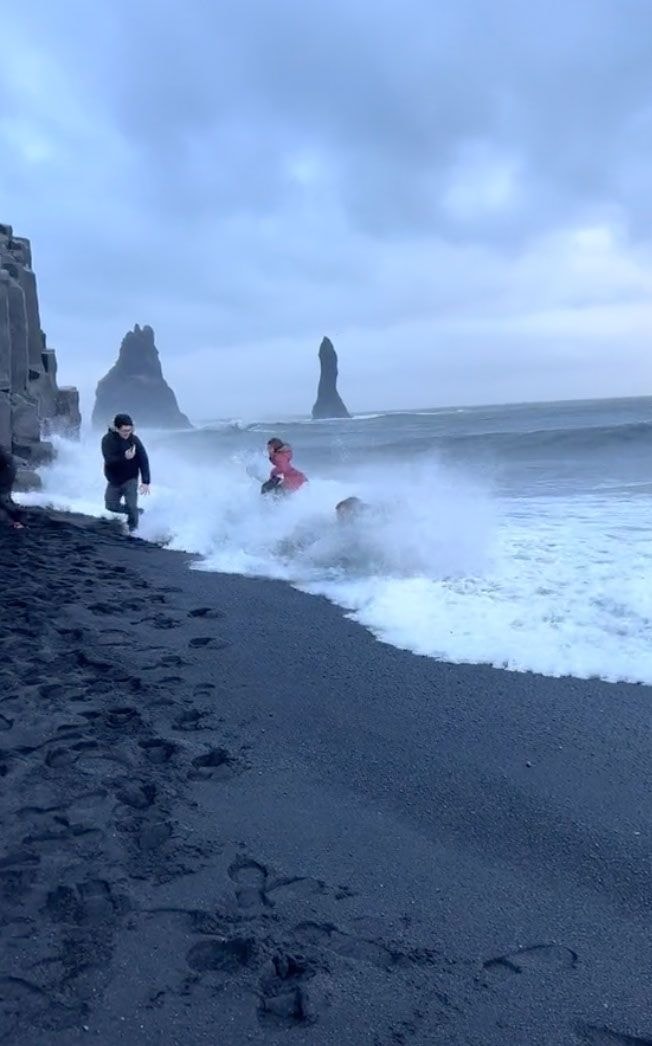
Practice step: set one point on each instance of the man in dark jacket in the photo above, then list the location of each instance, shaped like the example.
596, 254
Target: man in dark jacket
124, 458
9, 511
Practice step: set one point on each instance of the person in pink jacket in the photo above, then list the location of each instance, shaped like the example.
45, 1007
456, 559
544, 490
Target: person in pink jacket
284, 477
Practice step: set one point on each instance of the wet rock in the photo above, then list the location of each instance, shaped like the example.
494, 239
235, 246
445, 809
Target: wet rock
135, 385
329, 402
31, 404
27, 479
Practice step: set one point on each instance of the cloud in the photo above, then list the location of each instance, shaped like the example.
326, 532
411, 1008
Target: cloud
249, 175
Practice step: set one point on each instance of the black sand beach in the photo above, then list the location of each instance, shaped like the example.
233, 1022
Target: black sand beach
229, 815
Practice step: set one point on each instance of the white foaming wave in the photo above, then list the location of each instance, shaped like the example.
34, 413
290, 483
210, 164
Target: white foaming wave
561, 596
437, 567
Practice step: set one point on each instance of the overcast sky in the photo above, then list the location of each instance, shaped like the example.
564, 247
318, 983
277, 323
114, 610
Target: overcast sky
458, 192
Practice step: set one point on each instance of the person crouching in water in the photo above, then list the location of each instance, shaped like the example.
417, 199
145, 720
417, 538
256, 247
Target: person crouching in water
9, 511
284, 477
124, 459
350, 509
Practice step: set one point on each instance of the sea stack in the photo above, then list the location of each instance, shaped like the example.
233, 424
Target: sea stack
32, 406
135, 385
329, 402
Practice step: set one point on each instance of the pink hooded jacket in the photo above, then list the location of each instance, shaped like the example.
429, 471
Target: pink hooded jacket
283, 468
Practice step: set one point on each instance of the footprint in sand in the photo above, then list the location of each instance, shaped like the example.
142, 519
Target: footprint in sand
207, 613
87, 903
215, 765
94, 664
208, 643
256, 886
124, 718
152, 835
250, 880
227, 955
538, 957
591, 1035
113, 637
70, 731
23, 1003
65, 732
204, 689
104, 609
18, 874
171, 661
139, 795
190, 721
59, 758
362, 949
294, 889
285, 997
158, 751
170, 681
325, 935
75, 635
60, 830
161, 622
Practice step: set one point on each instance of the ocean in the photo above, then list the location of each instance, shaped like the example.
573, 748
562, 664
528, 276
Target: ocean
516, 536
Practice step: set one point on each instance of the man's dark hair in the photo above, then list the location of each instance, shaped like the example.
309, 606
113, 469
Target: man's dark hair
121, 420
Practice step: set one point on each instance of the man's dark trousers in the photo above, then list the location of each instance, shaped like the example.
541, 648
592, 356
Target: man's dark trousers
127, 492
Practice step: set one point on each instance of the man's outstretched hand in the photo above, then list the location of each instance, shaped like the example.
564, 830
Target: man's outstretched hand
144, 488
131, 453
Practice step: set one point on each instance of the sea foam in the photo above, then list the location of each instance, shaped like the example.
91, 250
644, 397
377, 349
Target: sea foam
440, 565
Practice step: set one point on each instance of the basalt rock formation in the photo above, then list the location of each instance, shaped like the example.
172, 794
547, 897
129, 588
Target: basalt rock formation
135, 385
329, 402
32, 406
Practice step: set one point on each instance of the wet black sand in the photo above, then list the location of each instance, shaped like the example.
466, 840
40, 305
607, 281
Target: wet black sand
228, 815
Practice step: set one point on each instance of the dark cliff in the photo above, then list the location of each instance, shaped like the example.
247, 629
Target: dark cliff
32, 406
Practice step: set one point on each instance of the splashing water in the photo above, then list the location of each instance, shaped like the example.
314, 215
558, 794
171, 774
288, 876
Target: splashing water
443, 563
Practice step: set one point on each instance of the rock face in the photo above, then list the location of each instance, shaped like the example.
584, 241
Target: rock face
135, 385
32, 406
329, 402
